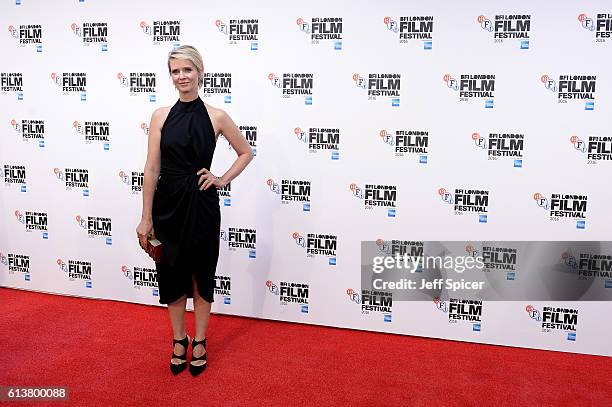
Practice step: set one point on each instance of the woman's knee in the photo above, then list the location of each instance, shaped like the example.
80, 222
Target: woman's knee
181, 301
197, 298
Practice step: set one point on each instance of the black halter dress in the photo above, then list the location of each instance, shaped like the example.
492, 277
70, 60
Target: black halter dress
185, 219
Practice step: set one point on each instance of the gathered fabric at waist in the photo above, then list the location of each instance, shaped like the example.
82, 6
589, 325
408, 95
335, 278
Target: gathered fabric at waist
178, 172
173, 181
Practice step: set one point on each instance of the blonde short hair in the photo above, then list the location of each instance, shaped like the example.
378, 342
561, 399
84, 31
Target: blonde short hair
192, 55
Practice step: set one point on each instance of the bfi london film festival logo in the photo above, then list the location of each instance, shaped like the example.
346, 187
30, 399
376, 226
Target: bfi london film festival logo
291, 191
139, 83
589, 266
394, 248
218, 83
225, 193
572, 87
596, 148
223, 287
71, 83
377, 85
11, 82
568, 206
600, 26
16, 264
502, 145
163, 32
145, 128
320, 138
240, 31
30, 130
373, 302
496, 259
15, 175
28, 34
76, 270
74, 179
250, 134
463, 310
92, 33
467, 201
508, 27
322, 30
142, 277
290, 292
94, 132
412, 29
240, 239
318, 245
96, 227
413, 143
34, 221
473, 87
555, 319
133, 179
374, 195
294, 84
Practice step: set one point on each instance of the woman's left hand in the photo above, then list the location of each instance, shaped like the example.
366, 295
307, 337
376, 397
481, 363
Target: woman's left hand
207, 179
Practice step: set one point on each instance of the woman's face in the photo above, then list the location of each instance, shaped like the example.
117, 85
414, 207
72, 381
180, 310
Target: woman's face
184, 75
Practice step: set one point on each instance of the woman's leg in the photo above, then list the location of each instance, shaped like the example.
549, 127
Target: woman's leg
202, 315
177, 319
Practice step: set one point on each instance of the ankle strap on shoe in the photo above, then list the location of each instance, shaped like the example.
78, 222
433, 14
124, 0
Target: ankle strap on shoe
195, 343
184, 341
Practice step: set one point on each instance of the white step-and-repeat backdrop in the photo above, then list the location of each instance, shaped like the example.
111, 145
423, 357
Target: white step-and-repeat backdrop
396, 122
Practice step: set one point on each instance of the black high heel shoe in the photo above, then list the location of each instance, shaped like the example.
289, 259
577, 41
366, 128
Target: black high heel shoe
177, 368
197, 369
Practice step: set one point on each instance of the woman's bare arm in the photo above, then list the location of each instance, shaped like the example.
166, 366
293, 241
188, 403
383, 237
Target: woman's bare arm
151, 174
224, 124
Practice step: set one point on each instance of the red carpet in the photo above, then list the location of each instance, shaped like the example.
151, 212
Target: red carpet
116, 354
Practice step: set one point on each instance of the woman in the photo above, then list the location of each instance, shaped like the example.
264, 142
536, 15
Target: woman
180, 204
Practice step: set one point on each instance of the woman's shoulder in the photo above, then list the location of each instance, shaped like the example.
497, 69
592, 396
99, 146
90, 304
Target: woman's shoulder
215, 111
218, 117
161, 111
159, 115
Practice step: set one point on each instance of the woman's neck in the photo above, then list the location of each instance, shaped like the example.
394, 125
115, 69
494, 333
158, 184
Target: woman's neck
188, 97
